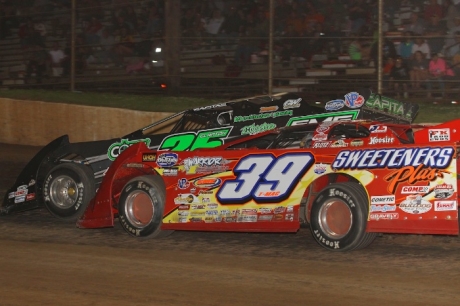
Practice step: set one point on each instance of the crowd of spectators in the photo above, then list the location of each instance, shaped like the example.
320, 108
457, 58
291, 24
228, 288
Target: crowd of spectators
425, 54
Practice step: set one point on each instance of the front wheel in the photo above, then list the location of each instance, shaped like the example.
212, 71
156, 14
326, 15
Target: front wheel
339, 217
141, 207
67, 190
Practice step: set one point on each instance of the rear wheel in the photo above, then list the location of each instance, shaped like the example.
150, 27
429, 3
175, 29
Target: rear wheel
339, 217
67, 190
141, 207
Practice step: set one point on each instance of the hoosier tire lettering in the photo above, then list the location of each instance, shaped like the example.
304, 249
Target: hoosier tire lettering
141, 207
339, 217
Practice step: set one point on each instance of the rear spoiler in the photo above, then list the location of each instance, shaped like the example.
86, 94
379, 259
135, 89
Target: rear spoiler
385, 109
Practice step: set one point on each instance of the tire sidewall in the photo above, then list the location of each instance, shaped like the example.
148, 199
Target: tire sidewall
346, 196
85, 191
157, 201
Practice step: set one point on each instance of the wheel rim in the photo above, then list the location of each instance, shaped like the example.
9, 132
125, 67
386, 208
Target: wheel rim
139, 209
64, 192
335, 219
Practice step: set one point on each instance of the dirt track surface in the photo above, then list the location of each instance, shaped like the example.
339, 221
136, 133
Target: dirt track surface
49, 262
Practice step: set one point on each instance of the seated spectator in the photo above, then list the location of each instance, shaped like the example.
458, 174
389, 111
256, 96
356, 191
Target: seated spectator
124, 44
454, 48
104, 53
93, 31
435, 33
387, 66
438, 73
357, 14
405, 47
416, 25
247, 45
418, 69
37, 63
422, 46
57, 58
399, 77
357, 51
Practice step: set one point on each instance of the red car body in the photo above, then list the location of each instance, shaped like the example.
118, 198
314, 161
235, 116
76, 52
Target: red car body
395, 178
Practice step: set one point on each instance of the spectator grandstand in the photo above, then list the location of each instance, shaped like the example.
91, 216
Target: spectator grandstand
321, 47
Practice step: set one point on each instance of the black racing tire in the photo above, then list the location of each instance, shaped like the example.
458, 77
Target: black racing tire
67, 190
339, 217
141, 207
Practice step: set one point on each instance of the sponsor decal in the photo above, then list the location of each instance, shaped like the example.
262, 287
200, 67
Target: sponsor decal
182, 183
289, 208
323, 128
439, 134
267, 109
445, 205
197, 214
212, 205
354, 100
388, 105
438, 158
319, 168
20, 193
257, 128
22, 187
225, 212
415, 204
212, 212
211, 182
356, 142
184, 207
134, 165
265, 218
381, 140
321, 144
334, 104
167, 159
289, 217
320, 137
183, 220
198, 206
204, 164
229, 219
186, 198
183, 213
208, 219
218, 219
415, 189
149, 157
378, 129
31, 182
249, 211
170, 172
206, 192
205, 200
339, 144
278, 217
443, 191
247, 218
210, 107
385, 199
196, 219
116, 148
263, 116
30, 197
265, 210
326, 117
383, 208
384, 216
292, 103
11, 195
279, 210
19, 199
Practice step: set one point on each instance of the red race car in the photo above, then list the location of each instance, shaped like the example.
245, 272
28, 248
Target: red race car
348, 180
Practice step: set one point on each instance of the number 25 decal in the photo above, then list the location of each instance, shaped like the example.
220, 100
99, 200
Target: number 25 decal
265, 178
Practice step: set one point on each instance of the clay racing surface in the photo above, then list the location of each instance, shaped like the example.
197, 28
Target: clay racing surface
45, 261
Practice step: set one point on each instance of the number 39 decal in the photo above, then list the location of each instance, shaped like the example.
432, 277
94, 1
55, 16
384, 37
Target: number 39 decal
265, 178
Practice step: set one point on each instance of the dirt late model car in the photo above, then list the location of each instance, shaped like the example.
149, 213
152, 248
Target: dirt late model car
347, 180
63, 176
